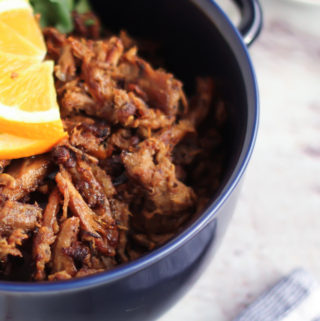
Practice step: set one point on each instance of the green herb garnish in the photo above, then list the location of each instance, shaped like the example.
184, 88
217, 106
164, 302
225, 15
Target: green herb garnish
57, 13
82, 6
89, 22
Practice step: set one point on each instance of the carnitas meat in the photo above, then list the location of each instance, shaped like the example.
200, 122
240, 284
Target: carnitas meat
136, 167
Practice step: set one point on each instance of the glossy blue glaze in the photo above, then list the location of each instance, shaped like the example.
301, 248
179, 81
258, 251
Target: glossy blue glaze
147, 287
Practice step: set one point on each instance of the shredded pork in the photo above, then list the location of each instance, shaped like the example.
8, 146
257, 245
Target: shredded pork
141, 161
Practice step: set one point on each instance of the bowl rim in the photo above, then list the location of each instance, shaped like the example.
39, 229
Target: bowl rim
222, 22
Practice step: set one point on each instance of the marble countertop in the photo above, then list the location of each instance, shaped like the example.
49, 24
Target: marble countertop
276, 226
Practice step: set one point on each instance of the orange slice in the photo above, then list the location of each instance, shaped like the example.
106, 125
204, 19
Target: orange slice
16, 147
30, 121
11, 65
18, 15
28, 105
11, 42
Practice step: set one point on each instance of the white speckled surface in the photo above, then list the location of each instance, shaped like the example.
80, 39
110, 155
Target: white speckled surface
276, 227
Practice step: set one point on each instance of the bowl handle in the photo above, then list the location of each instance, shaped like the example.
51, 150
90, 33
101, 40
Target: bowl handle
251, 19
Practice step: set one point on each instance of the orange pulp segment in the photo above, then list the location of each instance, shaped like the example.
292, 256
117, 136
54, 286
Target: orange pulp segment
30, 121
11, 65
24, 23
12, 147
11, 42
28, 105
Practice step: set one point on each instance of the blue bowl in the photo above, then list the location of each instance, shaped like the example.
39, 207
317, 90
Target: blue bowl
197, 39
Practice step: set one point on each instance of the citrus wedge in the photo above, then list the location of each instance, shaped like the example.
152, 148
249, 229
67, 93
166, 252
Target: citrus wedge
28, 105
18, 15
12, 147
11, 42
11, 65
30, 121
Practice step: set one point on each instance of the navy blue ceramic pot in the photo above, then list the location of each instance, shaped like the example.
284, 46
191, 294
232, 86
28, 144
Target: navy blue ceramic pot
198, 39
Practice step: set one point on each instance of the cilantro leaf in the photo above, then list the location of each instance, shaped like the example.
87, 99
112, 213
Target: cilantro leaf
57, 13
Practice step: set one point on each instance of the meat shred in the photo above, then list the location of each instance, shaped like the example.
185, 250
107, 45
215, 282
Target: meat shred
140, 162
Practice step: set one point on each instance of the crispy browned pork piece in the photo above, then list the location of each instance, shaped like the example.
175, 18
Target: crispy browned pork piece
16, 215
158, 88
62, 262
151, 168
114, 84
23, 177
90, 135
17, 219
140, 161
8, 246
98, 229
3, 164
46, 235
54, 41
